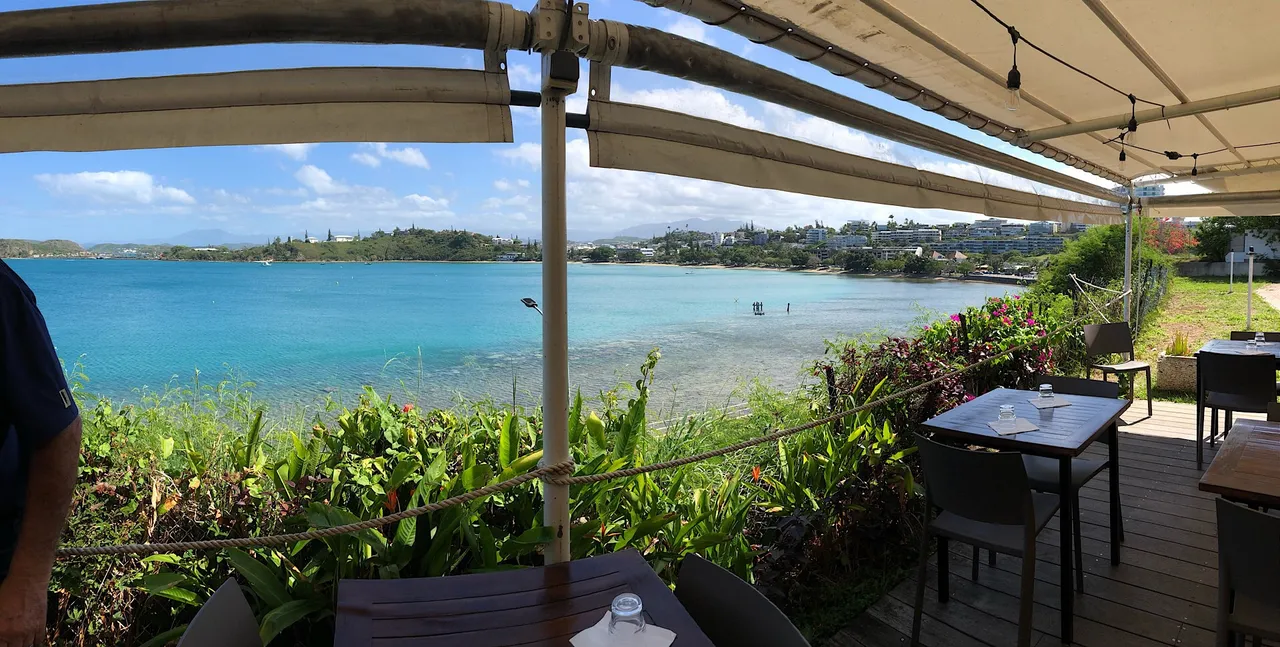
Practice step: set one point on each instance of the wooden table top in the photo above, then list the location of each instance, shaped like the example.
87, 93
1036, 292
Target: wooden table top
1231, 347
542, 607
1247, 467
1064, 431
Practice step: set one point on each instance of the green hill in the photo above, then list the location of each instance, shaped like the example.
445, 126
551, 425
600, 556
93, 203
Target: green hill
400, 245
15, 248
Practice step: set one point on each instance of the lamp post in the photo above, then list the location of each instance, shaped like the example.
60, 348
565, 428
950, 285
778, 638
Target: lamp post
1248, 308
530, 303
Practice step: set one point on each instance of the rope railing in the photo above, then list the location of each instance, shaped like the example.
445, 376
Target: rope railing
558, 474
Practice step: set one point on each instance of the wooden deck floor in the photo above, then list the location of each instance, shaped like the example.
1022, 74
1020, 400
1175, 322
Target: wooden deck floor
1163, 593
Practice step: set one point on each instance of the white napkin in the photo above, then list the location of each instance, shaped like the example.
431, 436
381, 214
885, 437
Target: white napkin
1018, 426
1049, 403
598, 636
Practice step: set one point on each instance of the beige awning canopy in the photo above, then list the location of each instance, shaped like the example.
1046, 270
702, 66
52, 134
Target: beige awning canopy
1214, 63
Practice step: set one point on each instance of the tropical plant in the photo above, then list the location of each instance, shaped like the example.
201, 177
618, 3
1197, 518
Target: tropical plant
1179, 345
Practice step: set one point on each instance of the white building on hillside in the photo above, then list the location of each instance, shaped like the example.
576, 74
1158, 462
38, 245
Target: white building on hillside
815, 235
343, 238
907, 236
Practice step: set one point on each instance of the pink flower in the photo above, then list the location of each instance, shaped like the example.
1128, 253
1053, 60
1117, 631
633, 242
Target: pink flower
926, 327
406, 408
1042, 333
1031, 321
955, 318
1006, 320
1017, 296
968, 397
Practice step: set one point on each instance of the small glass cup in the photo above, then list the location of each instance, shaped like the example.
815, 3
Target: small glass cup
626, 616
1006, 413
1251, 345
1046, 391
1259, 338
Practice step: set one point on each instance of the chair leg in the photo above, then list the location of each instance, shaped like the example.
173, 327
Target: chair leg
944, 570
976, 558
1213, 427
1027, 595
1075, 529
922, 571
991, 558
1226, 429
1150, 409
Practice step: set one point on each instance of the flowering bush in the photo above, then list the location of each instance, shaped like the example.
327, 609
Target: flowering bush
944, 346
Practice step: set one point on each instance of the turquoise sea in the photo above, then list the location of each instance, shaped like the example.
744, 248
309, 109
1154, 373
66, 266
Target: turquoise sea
430, 331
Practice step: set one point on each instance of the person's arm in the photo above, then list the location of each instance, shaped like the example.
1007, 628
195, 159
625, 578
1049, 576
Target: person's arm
24, 593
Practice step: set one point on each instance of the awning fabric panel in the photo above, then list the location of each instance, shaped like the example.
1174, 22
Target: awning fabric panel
262, 107
638, 138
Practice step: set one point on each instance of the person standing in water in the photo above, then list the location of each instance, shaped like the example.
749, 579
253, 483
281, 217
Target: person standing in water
788, 308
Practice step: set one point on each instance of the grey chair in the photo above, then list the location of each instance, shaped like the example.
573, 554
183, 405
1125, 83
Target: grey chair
1115, 339
984, 499
730, 611
1248, 569
225, 620
1246, 335
1233, 383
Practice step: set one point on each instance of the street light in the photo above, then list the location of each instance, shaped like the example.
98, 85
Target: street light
530, 303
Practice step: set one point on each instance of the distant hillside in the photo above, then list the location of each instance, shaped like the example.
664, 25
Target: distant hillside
116, 248
209, 238
401, 245
706, 225
14, 248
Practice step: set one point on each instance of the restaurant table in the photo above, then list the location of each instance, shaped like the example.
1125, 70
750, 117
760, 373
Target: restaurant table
534, 607
1247, 468
1063, 433
1226, 347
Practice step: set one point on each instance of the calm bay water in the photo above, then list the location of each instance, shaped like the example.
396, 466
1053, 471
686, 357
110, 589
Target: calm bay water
432, 331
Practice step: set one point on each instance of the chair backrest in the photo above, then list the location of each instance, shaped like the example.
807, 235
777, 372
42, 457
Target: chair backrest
1249, 376
1249, 553
1108, 338
1246, 335
1080, 386
225, 620
1273, 412
730, 611
982, 486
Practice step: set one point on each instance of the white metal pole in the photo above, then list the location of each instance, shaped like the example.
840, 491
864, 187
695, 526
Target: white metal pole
1128, 254
555, 311
1231, 272
1248, 308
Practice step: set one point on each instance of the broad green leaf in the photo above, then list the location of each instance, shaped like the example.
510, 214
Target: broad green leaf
179, 594
402, 471
535, 536
508, 441
167, 637
575, 420
647, 527
262, 578
476, 477
162, 558
521, 465
158, 582
166, 448
435, 471
706, 541
595, 429
285, 615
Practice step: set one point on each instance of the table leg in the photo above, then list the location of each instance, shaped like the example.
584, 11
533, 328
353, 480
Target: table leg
1199, 417
1066, 560
1113, 460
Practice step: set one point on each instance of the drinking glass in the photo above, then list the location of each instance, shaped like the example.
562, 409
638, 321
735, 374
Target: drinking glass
626, 616
1046, 391
1259, 338
1251, 345
1006, 413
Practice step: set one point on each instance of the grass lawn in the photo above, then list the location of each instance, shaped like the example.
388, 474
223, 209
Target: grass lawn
1202, 308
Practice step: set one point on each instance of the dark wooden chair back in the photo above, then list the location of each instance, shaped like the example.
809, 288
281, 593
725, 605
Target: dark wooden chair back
1107, 339
1273, 412
730, 611
1080, 386
988, 487
1249, 377
1246, 335
225, 620
1248, 554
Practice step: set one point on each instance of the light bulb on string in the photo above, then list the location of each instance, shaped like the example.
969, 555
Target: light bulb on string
1195, 164
1133, 120
1123, 157
1013, 84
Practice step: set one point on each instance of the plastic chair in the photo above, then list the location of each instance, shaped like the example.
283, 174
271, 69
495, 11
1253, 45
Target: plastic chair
1246, 335
1248, 569
1115, 339
225, 620
984, 499
1235, 383
730, 611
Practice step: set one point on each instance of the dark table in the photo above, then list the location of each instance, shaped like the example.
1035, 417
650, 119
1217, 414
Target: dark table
1247, 468
1226, 347
1064, 434
535, 607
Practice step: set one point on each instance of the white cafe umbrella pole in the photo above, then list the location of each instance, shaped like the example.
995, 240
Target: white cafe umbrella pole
1231, 272
1248, 308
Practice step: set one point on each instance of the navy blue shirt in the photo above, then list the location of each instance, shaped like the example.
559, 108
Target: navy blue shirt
35, 403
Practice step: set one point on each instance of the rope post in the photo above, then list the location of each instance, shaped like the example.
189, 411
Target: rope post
559, 79
1128, 252
833, 399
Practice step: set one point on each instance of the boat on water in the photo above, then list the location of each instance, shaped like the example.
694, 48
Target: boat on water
265, 263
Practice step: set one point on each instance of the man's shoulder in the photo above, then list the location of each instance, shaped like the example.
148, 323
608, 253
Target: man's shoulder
13, 290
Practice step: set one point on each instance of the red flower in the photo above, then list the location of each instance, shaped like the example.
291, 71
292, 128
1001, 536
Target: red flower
406, 408
755, 474
393, 500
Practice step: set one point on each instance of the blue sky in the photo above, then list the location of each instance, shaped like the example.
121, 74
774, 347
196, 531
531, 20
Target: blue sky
133, 196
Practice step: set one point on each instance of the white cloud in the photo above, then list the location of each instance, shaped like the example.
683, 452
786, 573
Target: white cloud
316, 179
528, 154
134, 187
523, 77
692, 100
503, 184
366, 159
227, 197
520, 201
690, 28
524, 184
789, 123
293, 151
372, 155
